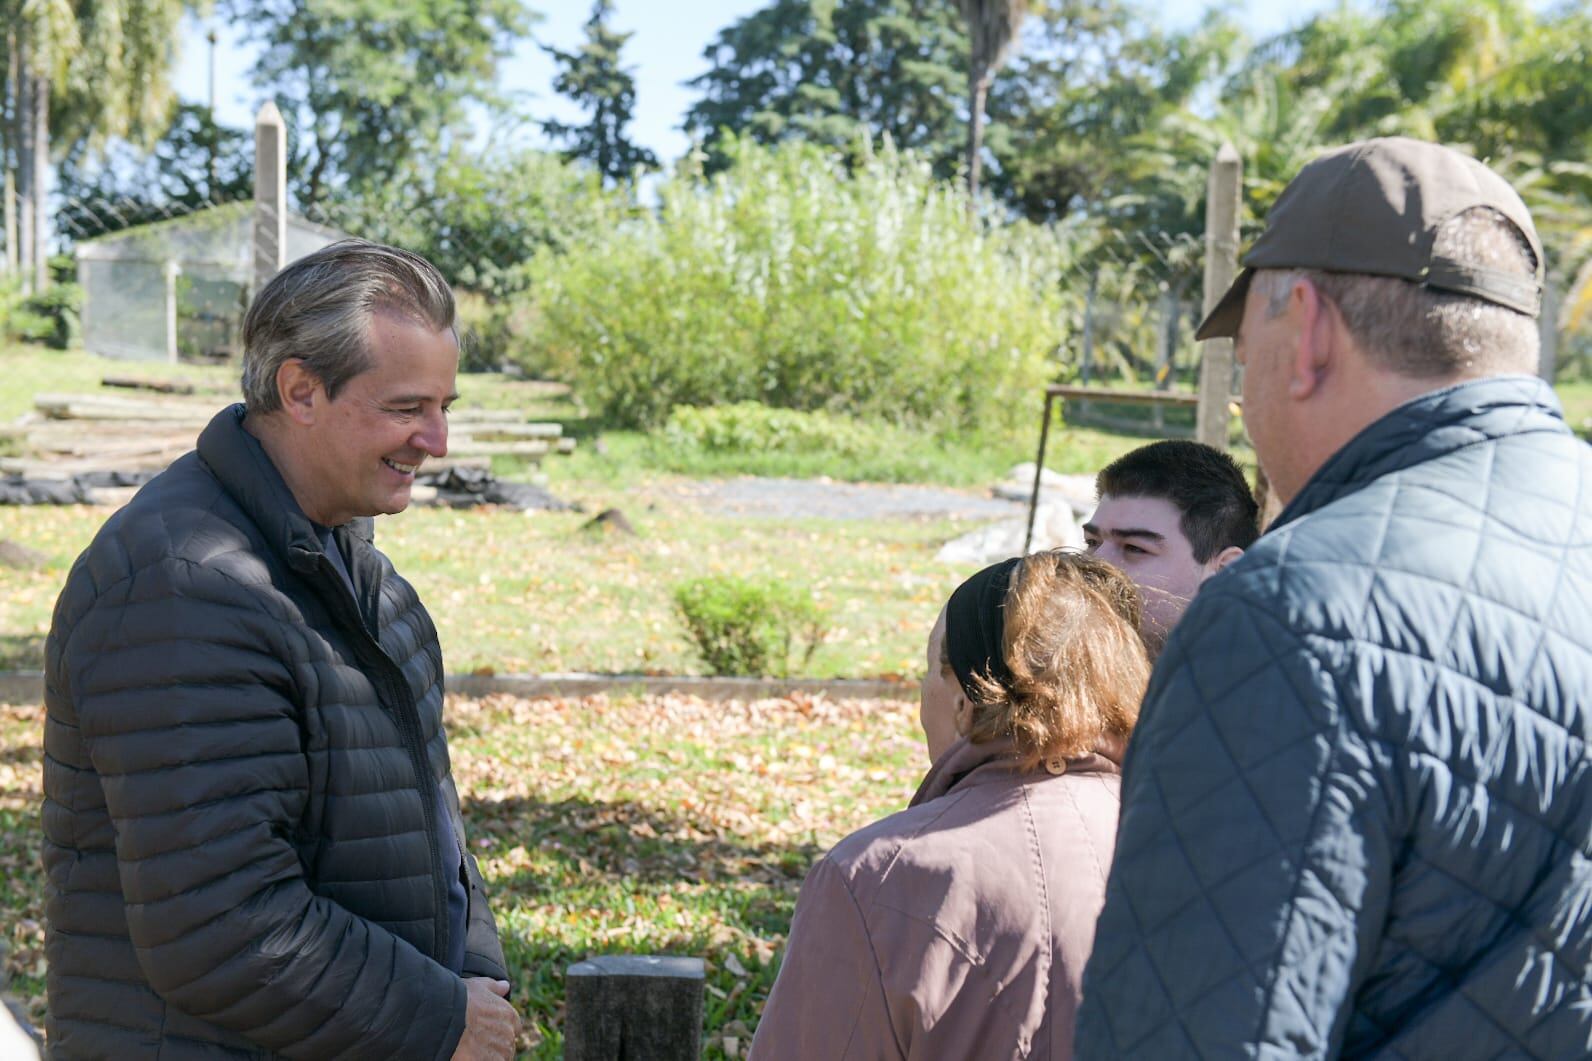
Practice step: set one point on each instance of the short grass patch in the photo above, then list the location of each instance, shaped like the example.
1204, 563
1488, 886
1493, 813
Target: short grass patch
517, 593
664, 825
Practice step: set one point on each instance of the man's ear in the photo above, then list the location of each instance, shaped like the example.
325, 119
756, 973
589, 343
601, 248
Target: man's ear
1222, 559
300, 391
1314, 320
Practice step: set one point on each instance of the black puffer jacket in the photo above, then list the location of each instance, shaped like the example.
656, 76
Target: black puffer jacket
240, 786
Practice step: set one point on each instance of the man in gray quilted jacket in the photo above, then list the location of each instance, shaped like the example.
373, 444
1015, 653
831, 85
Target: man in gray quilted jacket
252, 836
1357, 810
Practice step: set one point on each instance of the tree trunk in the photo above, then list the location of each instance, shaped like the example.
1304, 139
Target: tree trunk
978, 90
25, 169
41, 182
8, 159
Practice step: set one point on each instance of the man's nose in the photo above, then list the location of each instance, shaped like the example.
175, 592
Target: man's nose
433, 435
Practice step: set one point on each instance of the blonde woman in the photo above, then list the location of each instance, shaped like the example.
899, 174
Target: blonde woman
959, 927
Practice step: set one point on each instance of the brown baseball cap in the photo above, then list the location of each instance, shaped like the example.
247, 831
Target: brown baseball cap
1375, 207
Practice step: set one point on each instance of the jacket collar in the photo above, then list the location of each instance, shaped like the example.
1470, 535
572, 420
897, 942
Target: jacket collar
1428, 427
244, 469
966, 764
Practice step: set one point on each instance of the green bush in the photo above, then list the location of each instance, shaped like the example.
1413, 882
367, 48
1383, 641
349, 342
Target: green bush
53, 318
749, 627
794, 281
752, 427
494, 331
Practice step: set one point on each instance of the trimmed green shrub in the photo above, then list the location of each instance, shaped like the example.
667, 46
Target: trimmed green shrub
794, 281
745, 626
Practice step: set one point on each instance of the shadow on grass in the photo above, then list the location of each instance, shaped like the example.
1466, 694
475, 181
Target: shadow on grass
21, 651
601, 866
627, 841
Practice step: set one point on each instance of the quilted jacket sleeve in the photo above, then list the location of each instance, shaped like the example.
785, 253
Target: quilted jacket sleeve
184, 704
1253, 854
829, 998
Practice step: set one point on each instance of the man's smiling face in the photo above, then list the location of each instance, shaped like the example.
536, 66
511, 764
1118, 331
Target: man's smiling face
371, 439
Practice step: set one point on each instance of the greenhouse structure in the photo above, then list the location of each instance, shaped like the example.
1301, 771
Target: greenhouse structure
178, 288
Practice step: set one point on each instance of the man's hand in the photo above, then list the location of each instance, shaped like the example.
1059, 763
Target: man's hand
490, 1023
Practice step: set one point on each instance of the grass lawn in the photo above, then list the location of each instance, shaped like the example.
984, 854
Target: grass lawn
516, 593
670, 825
533, 593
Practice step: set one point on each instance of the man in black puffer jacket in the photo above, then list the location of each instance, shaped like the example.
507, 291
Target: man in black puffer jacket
252, 836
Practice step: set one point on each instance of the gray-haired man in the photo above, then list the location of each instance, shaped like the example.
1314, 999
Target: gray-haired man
1357, 811
252, 837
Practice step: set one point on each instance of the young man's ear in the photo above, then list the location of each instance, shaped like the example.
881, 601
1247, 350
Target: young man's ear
1222, 559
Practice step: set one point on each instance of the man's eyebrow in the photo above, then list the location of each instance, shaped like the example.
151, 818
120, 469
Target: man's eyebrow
1126, 532
416, 399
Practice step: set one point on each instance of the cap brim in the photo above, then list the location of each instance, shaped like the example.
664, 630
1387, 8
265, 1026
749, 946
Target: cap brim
1223, 321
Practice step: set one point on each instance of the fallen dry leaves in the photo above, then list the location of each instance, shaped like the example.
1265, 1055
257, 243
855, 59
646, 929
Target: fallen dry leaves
656, 825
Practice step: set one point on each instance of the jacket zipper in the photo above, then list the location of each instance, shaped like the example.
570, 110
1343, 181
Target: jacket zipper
399, 694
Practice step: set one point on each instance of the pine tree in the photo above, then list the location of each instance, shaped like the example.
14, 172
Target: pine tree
593, 77
832, 71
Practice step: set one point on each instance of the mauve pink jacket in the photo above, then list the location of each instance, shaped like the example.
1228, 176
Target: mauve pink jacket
956, 929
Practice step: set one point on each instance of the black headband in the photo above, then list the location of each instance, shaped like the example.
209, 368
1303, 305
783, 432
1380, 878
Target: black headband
975, 625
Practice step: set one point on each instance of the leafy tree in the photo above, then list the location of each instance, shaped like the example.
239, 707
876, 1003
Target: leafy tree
479, 217
837, 72
594, 78
993, 26
369, 86
1091, 76
123, 186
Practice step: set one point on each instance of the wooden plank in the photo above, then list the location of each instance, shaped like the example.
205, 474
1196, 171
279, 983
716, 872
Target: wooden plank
527, 448
114, 407
504, 432
530, 448
163, 386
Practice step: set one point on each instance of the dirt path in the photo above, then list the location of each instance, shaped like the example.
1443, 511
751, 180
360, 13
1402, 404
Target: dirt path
825, 499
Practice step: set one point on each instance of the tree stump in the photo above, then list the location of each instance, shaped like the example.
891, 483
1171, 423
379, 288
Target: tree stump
624, 1007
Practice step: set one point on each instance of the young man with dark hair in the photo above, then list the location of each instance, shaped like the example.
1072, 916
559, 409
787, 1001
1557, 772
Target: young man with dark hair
1171, 515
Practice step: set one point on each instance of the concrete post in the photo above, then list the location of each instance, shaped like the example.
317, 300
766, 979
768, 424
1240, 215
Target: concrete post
173, 270
623, 1006
1221, 266
270, 194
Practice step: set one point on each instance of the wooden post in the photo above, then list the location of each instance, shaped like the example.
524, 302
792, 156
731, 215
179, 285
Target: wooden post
1221, 266
1548, 331
270, 194
623, 1006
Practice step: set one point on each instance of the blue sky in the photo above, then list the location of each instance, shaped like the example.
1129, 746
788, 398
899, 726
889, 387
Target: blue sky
665, 52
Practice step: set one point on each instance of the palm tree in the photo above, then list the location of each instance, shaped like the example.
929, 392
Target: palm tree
87, 71
992, 27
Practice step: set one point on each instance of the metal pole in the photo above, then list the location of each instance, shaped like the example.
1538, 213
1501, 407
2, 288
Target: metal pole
1039, 470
